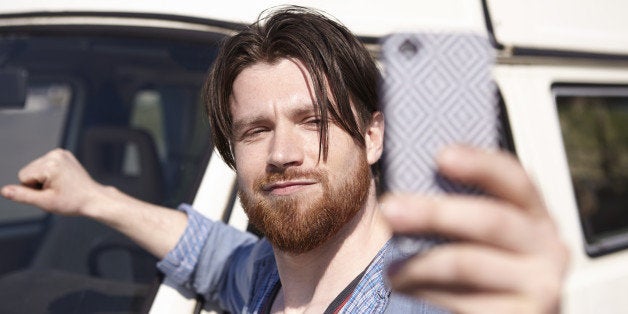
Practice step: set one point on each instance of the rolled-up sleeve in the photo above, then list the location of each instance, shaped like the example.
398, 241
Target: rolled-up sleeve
205, 256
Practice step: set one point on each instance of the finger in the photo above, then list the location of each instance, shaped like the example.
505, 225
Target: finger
34, 180
460, 267
35, 173
498, 173
479, 302
476, 219
41, 170
24, 194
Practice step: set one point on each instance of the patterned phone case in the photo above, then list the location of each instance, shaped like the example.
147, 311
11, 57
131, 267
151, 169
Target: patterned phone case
436, 90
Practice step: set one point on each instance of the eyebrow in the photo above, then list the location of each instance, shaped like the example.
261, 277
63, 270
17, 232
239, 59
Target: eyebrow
247, 121
304, 109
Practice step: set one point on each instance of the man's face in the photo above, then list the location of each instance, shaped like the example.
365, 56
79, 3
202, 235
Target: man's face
297, 201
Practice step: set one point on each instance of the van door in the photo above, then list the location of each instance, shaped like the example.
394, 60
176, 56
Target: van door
126, 102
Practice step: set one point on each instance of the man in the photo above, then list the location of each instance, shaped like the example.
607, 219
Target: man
293, 109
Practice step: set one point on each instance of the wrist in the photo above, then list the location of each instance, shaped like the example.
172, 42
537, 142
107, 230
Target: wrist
102, 203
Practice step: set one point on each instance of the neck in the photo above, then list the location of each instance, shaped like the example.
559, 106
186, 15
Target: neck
310, 281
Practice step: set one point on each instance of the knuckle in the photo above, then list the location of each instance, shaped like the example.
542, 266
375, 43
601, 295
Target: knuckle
57, 152
494, 226
51, 164
548, 231
523, 183
466, 272
21, 175
451, 261
431, 217
562, 255
501, 223
545, 228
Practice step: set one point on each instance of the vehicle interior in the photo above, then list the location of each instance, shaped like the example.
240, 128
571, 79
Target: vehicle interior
129, 108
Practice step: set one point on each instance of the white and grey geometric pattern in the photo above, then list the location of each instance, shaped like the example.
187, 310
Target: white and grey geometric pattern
436, 90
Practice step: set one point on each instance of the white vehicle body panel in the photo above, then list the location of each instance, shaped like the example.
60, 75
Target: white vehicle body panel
372, 18
588, 26
595, 285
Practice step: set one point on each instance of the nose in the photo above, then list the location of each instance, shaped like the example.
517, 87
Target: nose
286, 149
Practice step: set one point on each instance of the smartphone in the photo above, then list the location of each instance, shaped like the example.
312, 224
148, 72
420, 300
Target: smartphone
436, 90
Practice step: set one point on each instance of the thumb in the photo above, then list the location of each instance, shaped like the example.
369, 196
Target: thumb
24, 194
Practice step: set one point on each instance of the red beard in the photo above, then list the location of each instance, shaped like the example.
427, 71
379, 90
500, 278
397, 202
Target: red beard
297, 224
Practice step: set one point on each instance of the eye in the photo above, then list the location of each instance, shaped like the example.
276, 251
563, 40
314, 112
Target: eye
253, 133
256, 131
313, 122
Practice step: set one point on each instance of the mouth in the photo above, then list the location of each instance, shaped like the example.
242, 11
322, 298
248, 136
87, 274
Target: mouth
280, 188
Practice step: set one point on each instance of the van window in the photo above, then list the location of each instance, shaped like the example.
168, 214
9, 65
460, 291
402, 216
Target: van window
129, 108
28, 132
147, 113
594, 124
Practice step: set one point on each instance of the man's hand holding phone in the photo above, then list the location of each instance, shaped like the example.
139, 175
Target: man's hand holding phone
507, 256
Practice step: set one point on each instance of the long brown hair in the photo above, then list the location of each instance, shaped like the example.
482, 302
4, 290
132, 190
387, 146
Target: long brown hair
334, 58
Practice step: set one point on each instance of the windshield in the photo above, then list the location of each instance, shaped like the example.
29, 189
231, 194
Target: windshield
129, 109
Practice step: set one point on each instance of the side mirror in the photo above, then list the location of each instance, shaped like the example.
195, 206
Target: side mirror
13, 85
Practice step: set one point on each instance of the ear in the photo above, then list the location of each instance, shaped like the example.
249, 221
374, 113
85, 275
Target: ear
374, 138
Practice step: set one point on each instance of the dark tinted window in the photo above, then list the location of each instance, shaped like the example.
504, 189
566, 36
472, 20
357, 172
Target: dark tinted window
594, 123
129, 109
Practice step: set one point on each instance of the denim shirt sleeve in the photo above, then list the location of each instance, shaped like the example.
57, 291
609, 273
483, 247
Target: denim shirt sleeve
211, 259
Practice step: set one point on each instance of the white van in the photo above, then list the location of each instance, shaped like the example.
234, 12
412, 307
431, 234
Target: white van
117, 83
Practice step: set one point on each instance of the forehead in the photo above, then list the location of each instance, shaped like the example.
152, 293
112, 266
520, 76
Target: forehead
265, 85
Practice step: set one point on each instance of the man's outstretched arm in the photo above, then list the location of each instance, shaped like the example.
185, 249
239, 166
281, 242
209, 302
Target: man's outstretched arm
507, 256
57, 183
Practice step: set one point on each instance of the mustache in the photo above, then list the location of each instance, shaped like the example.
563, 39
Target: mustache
288, 175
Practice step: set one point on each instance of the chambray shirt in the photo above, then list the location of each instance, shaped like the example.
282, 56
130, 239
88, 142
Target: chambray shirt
236, 271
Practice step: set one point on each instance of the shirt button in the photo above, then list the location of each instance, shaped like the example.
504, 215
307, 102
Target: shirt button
383, 293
